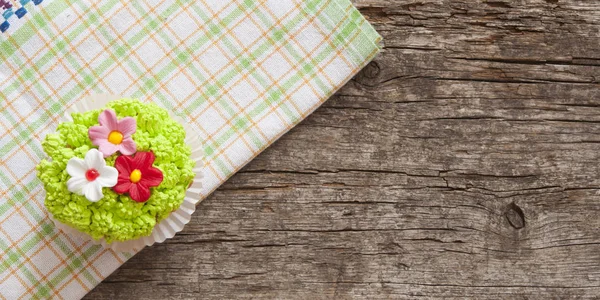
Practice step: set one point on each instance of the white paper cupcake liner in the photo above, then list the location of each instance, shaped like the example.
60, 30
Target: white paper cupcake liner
175, 222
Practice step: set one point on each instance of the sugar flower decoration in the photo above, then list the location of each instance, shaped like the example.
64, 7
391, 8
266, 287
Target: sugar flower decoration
89, 175
137, 175
113, 135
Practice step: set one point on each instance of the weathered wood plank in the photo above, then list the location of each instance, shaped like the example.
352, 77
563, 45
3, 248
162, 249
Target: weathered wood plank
462, 163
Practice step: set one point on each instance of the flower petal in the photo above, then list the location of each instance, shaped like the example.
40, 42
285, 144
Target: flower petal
127, 126
75, 185
108, 176
122, 186
143, 160
127, 146
123, 165
108, 118
94, 159
123, 177
152, 177
98, 132
107, 148
93, 191
76, 167
139, 193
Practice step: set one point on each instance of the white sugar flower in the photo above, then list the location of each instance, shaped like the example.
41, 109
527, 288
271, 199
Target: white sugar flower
89, 175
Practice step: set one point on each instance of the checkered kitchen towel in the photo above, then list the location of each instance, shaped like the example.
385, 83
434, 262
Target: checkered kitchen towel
242, 72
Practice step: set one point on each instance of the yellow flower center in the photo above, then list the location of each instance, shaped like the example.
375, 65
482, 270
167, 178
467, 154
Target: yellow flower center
115, 137
135, 176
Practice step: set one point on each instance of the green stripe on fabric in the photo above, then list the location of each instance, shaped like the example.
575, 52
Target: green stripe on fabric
24, 248
74, 266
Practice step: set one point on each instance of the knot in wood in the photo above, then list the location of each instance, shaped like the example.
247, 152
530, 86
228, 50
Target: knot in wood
515, 216
372, 70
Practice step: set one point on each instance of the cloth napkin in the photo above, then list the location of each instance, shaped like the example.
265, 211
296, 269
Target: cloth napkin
241, 72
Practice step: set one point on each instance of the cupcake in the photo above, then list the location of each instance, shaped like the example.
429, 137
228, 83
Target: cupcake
116, 172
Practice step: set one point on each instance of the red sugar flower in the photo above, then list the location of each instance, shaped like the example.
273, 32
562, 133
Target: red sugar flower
136, 175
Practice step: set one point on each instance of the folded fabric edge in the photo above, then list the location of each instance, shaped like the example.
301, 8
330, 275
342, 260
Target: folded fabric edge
360, 20
360, 38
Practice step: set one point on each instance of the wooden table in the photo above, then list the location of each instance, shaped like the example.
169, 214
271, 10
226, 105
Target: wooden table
462, 163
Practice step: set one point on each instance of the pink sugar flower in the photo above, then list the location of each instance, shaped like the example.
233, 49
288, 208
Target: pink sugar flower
113, 135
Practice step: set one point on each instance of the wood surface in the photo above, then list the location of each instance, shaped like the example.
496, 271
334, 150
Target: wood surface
462, 163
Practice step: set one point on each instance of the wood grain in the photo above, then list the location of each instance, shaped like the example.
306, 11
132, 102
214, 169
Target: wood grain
461, 163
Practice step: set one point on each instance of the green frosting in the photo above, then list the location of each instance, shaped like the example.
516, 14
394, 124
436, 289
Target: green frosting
117, 217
